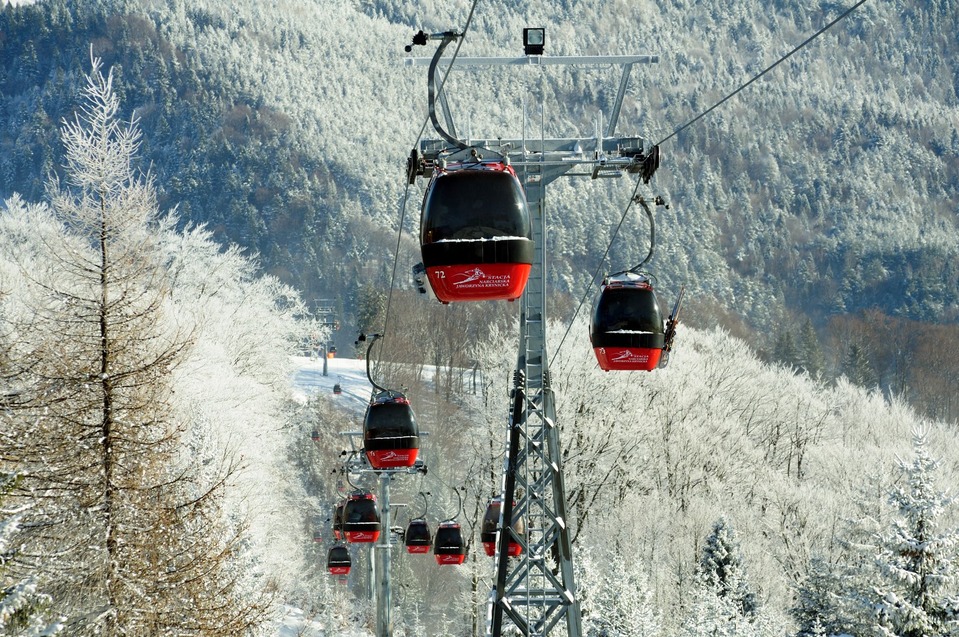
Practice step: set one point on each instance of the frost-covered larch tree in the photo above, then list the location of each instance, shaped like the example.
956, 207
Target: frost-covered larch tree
918, 593
125, 532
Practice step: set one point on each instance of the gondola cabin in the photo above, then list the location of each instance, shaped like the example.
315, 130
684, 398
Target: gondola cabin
390, 435
490, 523
337, 389
475, 233
338, 513
338, 560
361, 520
314, 435
627, 330
448, 546
418, 538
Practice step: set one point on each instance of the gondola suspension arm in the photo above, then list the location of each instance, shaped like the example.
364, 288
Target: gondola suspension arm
445, 39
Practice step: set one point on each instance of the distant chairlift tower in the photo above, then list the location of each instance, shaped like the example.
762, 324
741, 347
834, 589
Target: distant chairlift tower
536, 590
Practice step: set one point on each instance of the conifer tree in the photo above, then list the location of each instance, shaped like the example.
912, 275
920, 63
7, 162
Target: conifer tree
811, 358
785, 350
819, 602
918, 562
721, 568
857, 367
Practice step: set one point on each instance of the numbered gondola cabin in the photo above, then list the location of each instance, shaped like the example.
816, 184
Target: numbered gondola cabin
475, 232
627, 330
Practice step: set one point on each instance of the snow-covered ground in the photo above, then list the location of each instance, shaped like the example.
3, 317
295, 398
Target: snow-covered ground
296, 624
349, 373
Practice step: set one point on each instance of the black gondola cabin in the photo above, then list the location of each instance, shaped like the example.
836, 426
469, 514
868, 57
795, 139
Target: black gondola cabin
627, 330
390, 435
488, 530
361, 520
418, 538
338, 560
448, 546
475, 233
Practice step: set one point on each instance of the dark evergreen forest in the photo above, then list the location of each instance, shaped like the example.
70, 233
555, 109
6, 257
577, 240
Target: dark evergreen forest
815, 213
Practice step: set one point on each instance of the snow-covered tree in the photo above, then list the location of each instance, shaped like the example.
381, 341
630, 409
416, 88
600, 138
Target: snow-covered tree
722, 570
819, 606
918, 593
21, 606
615, 598
721, 600
127, 533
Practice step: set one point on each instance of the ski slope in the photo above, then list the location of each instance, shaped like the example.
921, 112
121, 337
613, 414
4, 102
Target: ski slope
349, 373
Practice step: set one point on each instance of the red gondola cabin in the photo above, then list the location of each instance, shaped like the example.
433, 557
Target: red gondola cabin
627, 330
361, 520
475, 233
390, 435
338, 560
488, 530
418, 538
448, 546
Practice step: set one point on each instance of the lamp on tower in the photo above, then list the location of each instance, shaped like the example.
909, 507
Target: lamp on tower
533, 41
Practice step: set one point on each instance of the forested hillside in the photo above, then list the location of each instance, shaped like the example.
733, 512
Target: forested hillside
827, 188
156, 478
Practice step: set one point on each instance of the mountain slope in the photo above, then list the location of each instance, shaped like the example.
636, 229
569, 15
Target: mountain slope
829, 186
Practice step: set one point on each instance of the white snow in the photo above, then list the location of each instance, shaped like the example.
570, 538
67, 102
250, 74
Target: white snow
349, 373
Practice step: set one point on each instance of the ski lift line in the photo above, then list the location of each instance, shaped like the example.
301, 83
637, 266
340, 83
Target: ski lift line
766, 70
399, 233
634, 197
389, 296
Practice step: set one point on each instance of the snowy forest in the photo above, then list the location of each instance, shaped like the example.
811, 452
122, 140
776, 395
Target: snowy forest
181, 182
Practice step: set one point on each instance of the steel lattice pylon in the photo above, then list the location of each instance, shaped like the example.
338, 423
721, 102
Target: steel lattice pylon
535, 591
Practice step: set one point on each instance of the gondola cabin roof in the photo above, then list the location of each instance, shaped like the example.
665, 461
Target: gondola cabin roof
627, 329
390, 434
475, 232
448, 546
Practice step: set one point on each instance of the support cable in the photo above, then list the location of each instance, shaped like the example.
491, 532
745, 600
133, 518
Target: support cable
764, 71
406, 192
689, 123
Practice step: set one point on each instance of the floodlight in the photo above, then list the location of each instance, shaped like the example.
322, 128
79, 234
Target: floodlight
533, 41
